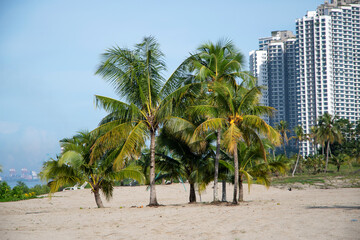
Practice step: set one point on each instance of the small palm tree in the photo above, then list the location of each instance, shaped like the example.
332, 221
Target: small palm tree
137, 77
194, 156
329, 132
73, 166
299, 137
342, 159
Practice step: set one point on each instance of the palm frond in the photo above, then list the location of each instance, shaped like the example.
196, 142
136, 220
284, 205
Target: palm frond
74, 158
210, 125
110, 140
132, 172
248, 178
122, 110
133, 143
231, 137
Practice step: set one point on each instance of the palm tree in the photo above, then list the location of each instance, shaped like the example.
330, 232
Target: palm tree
239, 119
314, 136
299, 137
73, 166
283, 128
191, 159
217, 62
137, 77
246, 156
329, 132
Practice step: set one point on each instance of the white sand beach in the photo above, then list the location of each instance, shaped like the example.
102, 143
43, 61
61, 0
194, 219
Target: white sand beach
265, 214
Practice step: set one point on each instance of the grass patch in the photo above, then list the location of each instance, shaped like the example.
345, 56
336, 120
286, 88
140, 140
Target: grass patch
298, 179
348, 176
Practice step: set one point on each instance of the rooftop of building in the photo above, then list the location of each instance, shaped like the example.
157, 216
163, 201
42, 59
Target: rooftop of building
322, 9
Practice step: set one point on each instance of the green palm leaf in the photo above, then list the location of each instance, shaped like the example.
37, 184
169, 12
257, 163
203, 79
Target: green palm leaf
133, 142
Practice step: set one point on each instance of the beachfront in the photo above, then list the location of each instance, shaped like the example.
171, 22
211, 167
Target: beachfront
266, 214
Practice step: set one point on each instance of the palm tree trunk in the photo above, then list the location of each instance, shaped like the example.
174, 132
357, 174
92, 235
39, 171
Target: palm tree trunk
217, 158
236, 173
153, 201
327, 156
285, 150
241, 189
98, 198
192, 197
223, 199
297, 161
273, 152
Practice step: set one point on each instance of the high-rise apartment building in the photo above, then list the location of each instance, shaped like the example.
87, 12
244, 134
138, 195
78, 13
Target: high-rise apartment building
319, 70
328, 64
315, 89
274, 66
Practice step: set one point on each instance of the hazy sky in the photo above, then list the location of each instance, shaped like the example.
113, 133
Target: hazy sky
49, 51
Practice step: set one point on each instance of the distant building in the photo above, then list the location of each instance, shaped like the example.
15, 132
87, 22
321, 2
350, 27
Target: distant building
34, 175
274, 64
12, 172
259, 68
328, 64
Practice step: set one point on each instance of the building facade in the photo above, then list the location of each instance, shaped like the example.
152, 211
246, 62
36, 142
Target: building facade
258, 67
274, 66
328, 64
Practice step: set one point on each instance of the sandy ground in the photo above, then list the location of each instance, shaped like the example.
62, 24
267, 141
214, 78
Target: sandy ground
266, 214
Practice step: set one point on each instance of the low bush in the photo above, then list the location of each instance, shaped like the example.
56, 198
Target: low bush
21, 191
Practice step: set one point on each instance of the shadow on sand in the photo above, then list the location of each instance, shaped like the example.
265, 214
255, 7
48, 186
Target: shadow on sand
335, 207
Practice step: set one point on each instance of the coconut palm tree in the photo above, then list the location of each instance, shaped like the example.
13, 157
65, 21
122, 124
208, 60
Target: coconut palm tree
73, 166
191, 159
254, 165
299, 137
283, 128
246, 156
137, 78
329, 132
217, 62
239, 119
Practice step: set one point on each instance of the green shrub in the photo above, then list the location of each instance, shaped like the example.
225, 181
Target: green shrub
5, 190
40, 189
21, 191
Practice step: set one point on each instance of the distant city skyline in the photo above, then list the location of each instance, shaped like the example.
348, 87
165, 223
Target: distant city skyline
50, 50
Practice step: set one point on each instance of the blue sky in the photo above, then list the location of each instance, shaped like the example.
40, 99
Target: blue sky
49, 51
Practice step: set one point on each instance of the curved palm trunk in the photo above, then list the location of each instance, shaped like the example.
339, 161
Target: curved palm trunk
223, 199
236, 173
217, 158
192, 197
153, 201
97, 197
297, 161
327, 155
241, 189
